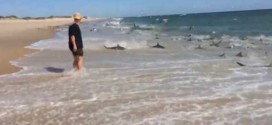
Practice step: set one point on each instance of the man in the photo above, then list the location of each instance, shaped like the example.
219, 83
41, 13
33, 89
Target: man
75, 43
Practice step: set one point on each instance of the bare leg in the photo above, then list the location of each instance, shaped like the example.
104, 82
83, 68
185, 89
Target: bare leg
75, 63
80, 64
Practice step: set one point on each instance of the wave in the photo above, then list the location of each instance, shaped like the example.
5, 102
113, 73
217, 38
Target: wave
114, 31
231, 23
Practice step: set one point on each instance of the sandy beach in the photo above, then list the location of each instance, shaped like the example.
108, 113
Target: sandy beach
16, 34
180, 84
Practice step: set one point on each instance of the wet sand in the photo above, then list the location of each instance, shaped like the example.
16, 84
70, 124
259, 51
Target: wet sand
16, 34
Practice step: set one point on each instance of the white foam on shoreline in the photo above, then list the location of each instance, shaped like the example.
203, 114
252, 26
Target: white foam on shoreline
139, 85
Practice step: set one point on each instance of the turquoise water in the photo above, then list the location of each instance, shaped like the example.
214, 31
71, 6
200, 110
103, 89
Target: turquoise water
178, 85
240, 23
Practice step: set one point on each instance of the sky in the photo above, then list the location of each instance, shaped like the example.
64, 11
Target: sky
124, 8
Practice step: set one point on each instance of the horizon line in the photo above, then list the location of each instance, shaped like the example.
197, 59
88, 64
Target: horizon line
211, 12
231, 11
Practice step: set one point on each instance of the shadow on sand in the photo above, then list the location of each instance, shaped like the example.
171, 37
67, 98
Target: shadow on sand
54, 69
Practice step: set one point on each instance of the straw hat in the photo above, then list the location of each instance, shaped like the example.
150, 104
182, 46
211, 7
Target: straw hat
77, 16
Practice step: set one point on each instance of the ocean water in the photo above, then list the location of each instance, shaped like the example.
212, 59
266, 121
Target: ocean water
178, 85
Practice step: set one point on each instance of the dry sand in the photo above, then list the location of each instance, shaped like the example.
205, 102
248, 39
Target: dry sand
16, 34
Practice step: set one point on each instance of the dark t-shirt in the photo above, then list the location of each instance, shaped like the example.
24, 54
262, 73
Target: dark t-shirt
75, 30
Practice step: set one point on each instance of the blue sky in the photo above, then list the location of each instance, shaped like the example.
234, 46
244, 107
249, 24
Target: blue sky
120, 8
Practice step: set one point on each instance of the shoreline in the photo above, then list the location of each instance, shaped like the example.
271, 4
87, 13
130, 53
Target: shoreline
17, 34
18, 51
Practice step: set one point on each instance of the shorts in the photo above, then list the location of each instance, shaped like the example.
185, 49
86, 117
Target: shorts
78, 52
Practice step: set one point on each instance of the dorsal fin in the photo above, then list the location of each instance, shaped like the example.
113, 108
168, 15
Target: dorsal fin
240, 64
240, 54
270, 65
